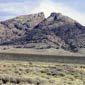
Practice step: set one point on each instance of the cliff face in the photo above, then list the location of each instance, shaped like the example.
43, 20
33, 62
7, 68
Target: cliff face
57, 31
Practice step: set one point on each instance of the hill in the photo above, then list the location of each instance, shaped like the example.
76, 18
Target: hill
36, 31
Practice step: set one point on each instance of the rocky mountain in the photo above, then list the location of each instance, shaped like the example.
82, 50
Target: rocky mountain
62, 31
36, 31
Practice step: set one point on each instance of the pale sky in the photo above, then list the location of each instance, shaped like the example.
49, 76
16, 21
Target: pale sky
72, 8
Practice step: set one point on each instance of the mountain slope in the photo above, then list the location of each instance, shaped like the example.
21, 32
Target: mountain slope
57, 31
63, 27
17, 27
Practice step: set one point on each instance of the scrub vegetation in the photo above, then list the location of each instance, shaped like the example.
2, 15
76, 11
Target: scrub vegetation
41, 73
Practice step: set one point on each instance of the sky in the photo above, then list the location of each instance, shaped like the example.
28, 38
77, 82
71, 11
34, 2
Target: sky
72, 8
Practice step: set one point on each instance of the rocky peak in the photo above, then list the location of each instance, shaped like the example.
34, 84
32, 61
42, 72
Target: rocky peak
41, 14
31, 20
61, 18
55, 15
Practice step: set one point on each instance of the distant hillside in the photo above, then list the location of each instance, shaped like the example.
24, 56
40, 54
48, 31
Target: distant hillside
36, 31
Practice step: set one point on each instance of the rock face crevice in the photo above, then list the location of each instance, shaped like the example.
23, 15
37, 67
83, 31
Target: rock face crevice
57, 31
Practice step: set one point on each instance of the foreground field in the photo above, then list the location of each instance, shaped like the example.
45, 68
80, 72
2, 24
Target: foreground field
41, 73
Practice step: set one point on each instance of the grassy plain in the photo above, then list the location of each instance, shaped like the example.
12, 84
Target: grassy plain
41, 73
41, 67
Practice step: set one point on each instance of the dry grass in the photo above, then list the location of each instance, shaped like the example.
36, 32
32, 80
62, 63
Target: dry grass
51, 51
38, 73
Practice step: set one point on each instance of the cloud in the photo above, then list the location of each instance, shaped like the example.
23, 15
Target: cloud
48, 6
16, 8
13, 9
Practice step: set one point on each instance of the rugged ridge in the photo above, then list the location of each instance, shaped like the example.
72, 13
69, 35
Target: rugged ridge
15, 28
36, 31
